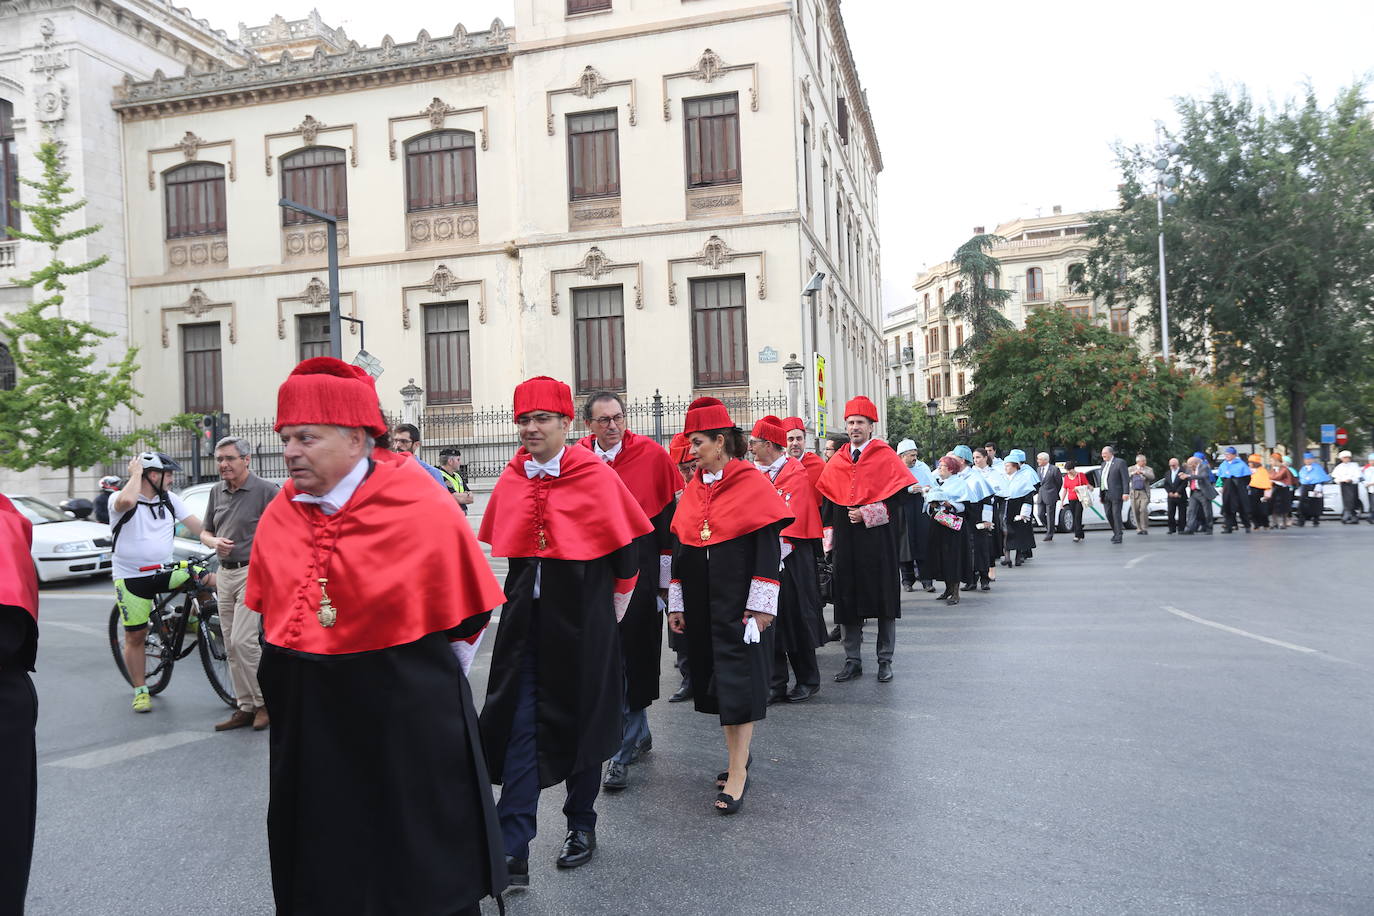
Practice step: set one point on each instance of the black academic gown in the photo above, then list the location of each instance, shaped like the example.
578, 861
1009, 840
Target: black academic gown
730, 678
18, 755
867, 580
799, 624
641, 629
916, 533
572, 631
1020, 536
982, 542
380, 800
949, 554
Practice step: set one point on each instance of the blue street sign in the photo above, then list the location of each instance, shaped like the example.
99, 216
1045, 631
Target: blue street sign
1328, 434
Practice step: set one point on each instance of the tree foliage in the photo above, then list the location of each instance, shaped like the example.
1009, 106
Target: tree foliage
907, 420
978, 300
1064, 380
58, 412
1270, 246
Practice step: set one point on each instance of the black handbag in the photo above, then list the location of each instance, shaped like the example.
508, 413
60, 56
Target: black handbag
825, 579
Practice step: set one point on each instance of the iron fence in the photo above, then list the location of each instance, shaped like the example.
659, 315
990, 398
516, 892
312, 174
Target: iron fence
485, 435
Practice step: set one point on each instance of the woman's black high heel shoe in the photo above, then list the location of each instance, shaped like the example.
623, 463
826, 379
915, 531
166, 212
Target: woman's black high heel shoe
720, 779
727, 805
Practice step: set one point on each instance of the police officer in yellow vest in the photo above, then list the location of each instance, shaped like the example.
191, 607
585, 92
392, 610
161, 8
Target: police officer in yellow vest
450, 466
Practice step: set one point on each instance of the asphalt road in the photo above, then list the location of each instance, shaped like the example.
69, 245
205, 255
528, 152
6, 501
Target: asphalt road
1172, 725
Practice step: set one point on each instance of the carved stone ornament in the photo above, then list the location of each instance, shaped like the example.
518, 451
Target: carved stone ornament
672, 293
715, 253
436, 110
708, 67
590, 83
594, 264
197, 303
443, 281
310, 130
190, 145
316, 293
51, 103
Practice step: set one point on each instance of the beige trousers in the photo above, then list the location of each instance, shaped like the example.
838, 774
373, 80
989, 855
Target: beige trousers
240, 626
1140, 509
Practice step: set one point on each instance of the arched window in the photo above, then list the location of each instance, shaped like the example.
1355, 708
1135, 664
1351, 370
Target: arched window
7, 373
194, 199
9, 170
441, 170
1035, 285
315, 177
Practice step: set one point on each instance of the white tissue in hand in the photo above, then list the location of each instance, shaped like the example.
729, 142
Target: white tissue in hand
751, 631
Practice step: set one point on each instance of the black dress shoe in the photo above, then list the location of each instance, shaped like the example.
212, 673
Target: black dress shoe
910, 586
929, 585
969, 586
835, 633
617, 777
801, 693
986, 586
683, 693
884, 672
642, 748
777, 696
519, 872
577, 848
849, 672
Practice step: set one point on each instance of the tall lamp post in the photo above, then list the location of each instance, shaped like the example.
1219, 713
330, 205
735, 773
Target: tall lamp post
1231, 420
1249, 389
331, 225
932, 411
1164, 185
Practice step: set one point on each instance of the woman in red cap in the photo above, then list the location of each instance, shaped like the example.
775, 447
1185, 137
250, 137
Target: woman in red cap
725, 581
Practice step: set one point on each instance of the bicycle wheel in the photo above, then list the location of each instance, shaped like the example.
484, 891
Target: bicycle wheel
157, 672
214, 657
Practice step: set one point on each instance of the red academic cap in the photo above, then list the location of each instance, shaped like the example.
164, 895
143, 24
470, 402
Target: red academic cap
791, 423
680, 450
861, 407
769, 429
328, 391
706, 413
543, 393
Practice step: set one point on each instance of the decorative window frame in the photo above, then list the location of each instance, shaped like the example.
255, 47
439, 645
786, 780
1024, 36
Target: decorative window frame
714, 255
444, 284
709, 68
594, 265
190, 146
308, 131
437, 113
590, 83
196, 306
315, 297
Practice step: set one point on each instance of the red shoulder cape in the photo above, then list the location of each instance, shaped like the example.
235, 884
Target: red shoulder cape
584, 513
18, 580
878, 475
400, 559
814, 464
740, 502
646, 469
794, 486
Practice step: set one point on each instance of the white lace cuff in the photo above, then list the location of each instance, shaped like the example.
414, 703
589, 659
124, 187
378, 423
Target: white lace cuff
624, 591
763, 596
675, 597
466, 651
665, 569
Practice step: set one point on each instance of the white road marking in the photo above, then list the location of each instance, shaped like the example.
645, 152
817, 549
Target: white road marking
1130, 564
129, 750
1239, 632
74, 627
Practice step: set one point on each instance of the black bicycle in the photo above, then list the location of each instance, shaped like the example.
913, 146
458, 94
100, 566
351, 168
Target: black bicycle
165, 639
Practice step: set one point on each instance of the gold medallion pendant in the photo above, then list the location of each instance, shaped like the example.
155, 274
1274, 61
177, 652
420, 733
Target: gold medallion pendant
543, 542
326, 613
705, 530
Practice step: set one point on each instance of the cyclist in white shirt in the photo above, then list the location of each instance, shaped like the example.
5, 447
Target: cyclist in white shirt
144, 515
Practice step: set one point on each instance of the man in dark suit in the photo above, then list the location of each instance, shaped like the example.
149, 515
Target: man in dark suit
1051, 482
1176, 486
1116, 489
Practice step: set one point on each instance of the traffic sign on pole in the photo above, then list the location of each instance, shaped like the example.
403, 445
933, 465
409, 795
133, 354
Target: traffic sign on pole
1328, 433
1341, 436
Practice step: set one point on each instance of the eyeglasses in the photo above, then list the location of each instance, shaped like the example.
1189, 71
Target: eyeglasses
607, 421
537, 419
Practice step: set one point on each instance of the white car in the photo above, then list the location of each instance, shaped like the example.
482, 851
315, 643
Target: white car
1094, 516
1159, 499
64, 547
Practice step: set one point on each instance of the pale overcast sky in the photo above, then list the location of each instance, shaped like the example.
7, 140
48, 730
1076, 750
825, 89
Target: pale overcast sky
991, 111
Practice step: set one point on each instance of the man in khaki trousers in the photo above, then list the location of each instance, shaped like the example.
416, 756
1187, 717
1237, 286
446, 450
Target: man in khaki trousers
231, 518
1142, 476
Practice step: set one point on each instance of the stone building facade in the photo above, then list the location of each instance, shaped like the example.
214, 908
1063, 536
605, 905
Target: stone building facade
624, 195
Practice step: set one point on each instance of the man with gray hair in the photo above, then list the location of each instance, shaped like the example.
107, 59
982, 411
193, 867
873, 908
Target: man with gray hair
231, 518
1051, 482
1116, 489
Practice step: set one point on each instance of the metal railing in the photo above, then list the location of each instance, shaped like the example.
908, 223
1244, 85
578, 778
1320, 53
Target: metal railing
9, 257
485, 435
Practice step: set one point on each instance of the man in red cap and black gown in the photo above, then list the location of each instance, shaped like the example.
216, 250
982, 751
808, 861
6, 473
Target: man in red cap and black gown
653, 480
862, 487
795, 427
553, 711
800, 630
373, 595
18, 706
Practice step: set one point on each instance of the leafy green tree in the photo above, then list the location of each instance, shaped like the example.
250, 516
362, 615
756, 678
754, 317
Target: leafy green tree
58, 412
1065, 380
978, 300
906, 419
1270, 244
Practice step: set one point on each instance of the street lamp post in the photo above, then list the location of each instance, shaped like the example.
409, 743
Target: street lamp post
1249, 389
1164, 184
1231, 420
331, 225
932, 410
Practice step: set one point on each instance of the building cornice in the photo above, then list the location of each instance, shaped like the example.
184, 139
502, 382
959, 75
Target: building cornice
855, 96
390, 63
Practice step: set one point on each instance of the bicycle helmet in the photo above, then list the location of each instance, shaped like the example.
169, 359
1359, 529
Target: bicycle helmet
157, 461
109, 482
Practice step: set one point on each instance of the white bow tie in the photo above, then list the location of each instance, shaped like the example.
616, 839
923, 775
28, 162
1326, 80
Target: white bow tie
534, 469
711, 477
326, 504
